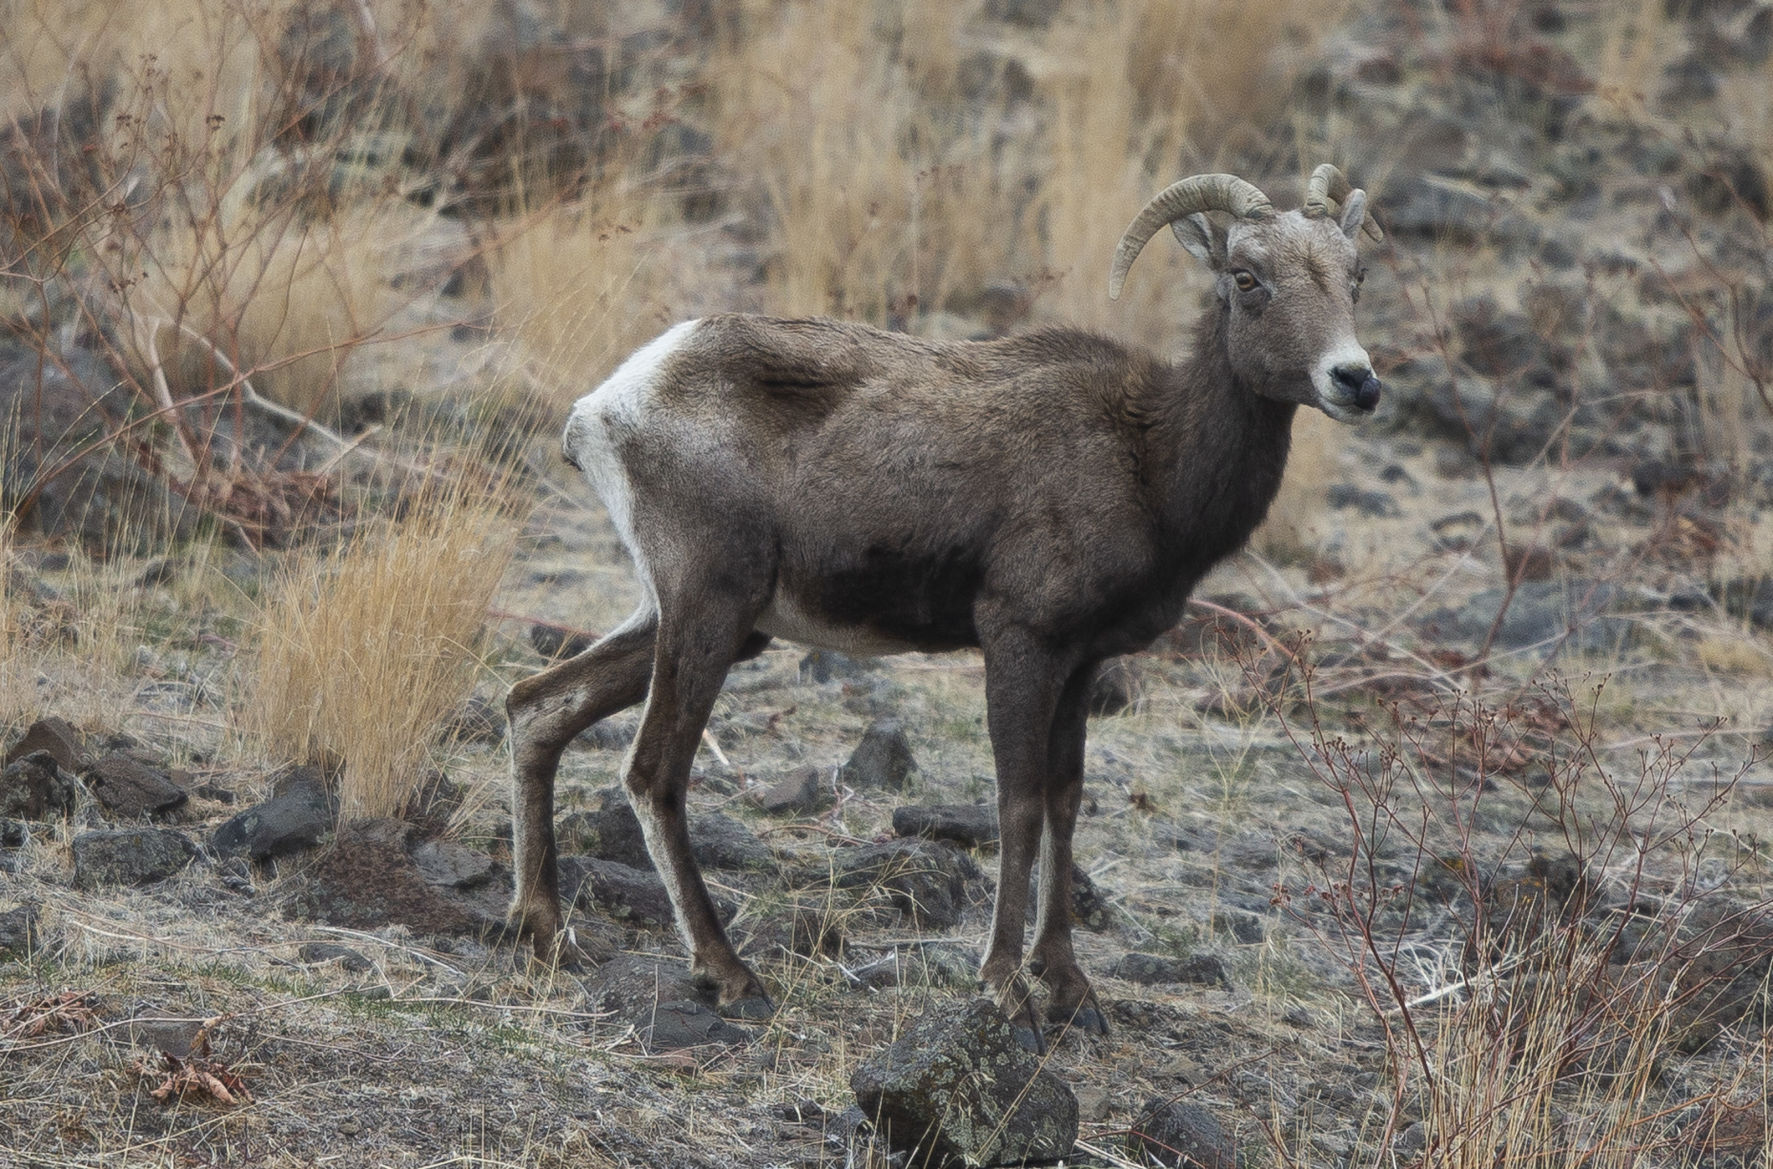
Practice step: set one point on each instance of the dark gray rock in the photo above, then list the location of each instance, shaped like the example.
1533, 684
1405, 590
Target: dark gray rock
632, 985
721, 842
319, 953
130, 789
368, 879
281, 826
129, 856
35, 788
675, 1026
882, 759
14, 833
20, 932
1025, 13
957, 1087
661, 1002
1426, 209
623, 891
1544, 614
968, 825
1089, 908
1503, 421
1750, 598
799, 793
924, 879
56, 736
452, 864
612, 832
1348, 497
480, 720
1115, 688
63, 409
1177, 1133
1153, 969
827, 665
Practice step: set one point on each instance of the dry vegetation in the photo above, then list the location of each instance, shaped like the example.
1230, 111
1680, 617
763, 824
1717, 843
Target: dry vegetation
320, 254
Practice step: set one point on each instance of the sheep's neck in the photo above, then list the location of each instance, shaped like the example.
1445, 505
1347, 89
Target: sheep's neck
1227, 449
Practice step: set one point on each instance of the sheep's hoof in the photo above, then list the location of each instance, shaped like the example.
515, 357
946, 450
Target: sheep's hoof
1087, 1018
736, 994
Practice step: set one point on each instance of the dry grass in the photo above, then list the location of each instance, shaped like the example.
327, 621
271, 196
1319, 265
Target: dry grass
266, 296
363, 652
583, 285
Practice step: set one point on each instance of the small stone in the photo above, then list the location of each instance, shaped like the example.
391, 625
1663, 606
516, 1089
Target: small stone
1348, 497
281, 826
455, 865
609, 832
623, 891
682, 1024
958, 1086
555, 642
1177, 1133
923, 879
721, 842
820, 666
480, 720
1115, 688
801, 792
632, 988
129, 856
35, 787
1152, 969
130, 789
54, 735
883, 759
19, 931
968, 825
319, 953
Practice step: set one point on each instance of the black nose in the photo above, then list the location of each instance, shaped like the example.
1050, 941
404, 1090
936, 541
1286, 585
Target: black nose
1363, 388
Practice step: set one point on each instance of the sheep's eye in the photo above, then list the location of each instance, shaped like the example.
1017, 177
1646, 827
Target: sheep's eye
1245, 281
1360, 277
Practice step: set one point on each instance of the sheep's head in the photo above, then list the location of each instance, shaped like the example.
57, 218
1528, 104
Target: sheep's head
1287, 283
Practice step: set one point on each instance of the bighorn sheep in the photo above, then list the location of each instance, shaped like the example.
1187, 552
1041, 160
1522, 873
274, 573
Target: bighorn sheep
1050, 498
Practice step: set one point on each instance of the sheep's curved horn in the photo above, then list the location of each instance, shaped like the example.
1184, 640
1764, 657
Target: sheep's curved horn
1191, 195
1326, 190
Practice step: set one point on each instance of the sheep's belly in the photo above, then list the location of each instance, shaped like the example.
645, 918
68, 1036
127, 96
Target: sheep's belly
790, 622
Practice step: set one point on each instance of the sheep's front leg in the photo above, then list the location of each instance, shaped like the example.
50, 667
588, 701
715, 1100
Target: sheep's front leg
1021, 692
544, 713
1071, 1002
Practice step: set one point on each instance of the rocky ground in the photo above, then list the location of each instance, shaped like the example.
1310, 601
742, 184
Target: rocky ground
1473, 753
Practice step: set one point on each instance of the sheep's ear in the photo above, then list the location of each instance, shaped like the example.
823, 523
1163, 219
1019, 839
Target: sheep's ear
1354, 213
1202, 239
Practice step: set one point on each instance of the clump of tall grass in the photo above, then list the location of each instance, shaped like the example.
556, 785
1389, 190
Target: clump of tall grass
364, 651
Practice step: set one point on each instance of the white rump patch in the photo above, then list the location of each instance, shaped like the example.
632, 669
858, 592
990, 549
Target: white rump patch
622, 402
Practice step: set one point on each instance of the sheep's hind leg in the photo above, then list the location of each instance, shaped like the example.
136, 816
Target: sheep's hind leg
1071, 1002
544, 713
700, 635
